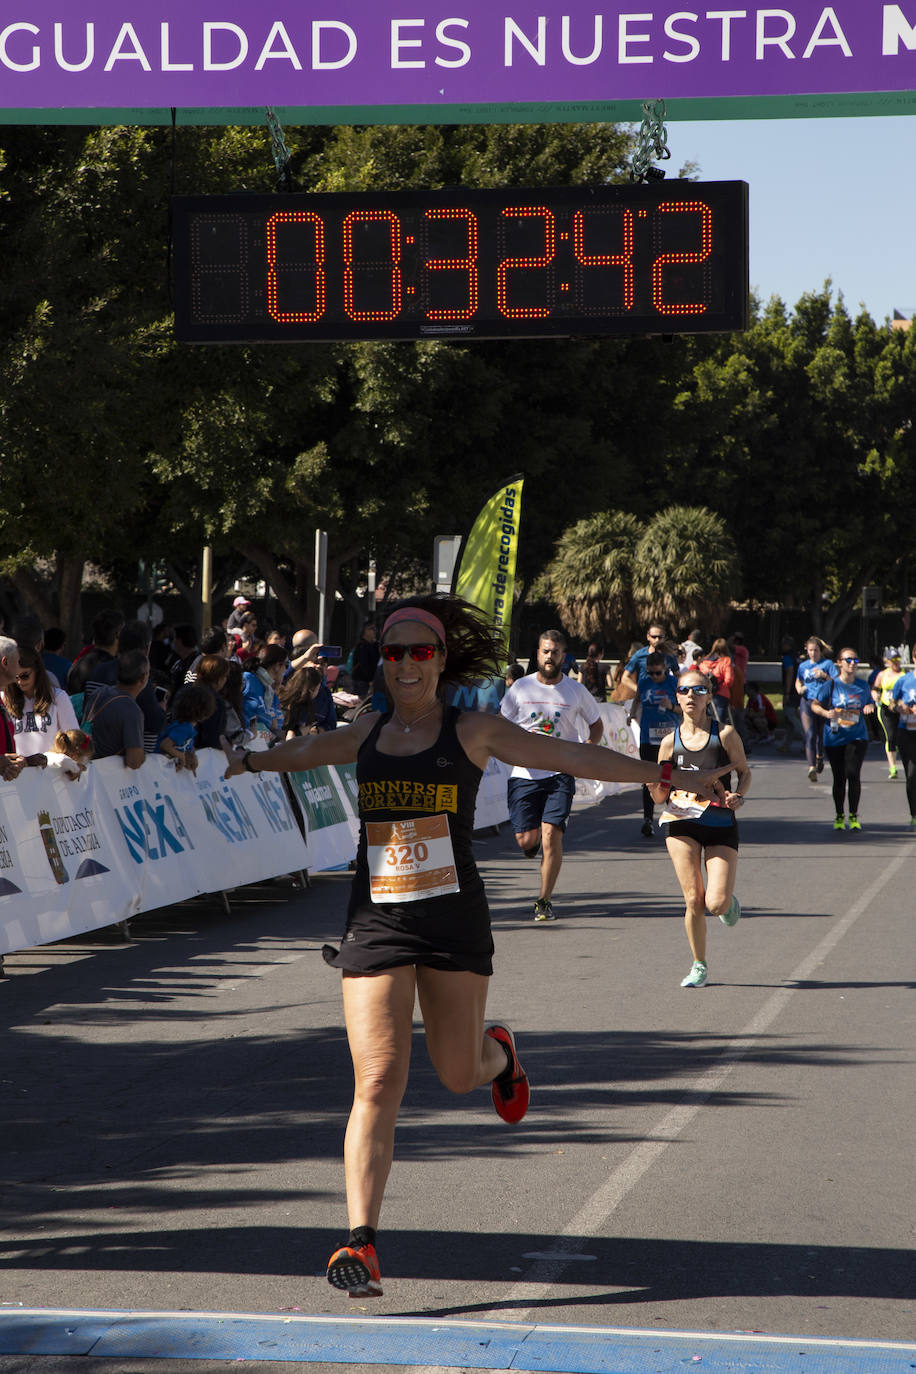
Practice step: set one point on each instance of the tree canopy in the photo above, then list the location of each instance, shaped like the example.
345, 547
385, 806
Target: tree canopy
117, 443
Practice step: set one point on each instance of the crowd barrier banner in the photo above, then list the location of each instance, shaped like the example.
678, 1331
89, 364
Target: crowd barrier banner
63, 866
323, 798
78, 855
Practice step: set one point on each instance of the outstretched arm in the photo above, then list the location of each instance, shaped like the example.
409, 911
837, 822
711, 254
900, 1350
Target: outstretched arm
483, 736
302, 752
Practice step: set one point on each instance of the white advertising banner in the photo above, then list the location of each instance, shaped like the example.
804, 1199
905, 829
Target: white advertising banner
78, 855
619, 735
492, 806
324, 798
63, 867
187, 834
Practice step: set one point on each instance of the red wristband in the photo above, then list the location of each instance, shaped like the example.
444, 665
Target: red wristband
665, 779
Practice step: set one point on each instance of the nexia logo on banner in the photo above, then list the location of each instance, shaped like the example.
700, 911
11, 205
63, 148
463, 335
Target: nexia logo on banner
153, 830
271, 798
226, 811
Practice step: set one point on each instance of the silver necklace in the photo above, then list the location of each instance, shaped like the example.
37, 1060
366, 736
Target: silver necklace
405, 728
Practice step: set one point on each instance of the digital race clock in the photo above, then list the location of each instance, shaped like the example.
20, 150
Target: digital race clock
667, 258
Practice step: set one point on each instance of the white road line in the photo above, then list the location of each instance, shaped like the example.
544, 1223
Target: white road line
593, 1217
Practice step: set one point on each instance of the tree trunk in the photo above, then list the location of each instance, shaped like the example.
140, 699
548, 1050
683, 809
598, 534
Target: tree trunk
284, 590
70, 585
56, 602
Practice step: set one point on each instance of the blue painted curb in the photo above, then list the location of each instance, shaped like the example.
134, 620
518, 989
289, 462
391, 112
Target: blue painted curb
418, 1341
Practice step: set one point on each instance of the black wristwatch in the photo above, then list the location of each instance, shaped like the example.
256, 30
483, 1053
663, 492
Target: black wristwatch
245, 764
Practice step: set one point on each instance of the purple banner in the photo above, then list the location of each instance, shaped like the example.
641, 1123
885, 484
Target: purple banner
116, 54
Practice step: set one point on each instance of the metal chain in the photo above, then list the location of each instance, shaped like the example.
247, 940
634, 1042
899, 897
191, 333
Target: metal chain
283, 158
651, 142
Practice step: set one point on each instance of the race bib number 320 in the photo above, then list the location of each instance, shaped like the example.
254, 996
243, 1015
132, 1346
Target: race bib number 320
410, 859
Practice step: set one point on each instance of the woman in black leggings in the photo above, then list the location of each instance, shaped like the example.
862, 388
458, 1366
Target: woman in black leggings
844, 702
904, 696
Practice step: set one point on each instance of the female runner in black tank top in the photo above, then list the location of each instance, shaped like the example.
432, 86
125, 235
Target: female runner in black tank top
709, 831
417, 926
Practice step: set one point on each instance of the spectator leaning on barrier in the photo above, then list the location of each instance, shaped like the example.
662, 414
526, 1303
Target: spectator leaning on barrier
11, 763
297, 697
135, 635
115, 721
37, 708
259, 693
191, 705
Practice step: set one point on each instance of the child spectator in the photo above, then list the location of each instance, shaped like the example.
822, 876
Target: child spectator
71, 753
190, 705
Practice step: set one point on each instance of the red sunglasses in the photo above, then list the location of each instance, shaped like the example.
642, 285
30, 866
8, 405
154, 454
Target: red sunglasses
420, 653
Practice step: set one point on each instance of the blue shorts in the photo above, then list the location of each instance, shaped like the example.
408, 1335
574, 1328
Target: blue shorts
532, 800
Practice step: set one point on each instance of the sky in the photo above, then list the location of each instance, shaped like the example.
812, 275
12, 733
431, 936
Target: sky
828, 198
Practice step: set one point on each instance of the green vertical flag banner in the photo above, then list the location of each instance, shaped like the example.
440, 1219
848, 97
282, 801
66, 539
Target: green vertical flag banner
485, 574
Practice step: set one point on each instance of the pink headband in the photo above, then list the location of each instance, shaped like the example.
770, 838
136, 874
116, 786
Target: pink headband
416, 613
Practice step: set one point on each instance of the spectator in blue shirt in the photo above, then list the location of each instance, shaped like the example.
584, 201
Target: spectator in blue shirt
657, 718
812, 673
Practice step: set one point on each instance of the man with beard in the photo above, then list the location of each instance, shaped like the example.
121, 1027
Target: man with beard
549, 703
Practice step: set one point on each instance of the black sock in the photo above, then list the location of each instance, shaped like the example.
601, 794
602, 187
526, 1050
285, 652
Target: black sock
509, 1063
362, 1235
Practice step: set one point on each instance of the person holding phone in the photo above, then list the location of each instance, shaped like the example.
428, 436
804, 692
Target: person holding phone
418, 924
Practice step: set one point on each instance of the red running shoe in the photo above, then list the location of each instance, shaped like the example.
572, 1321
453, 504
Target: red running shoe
511, 1093
354, 1269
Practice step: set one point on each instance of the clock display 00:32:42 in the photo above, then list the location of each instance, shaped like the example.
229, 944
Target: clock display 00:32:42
527, 262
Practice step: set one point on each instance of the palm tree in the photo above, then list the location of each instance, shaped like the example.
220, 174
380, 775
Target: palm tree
686, 568
589, 579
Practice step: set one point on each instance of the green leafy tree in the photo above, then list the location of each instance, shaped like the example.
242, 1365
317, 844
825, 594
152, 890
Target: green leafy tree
82, 278
590, 577
798, 434
685, 569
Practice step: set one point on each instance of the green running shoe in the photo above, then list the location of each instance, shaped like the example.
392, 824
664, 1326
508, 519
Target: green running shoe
732, 916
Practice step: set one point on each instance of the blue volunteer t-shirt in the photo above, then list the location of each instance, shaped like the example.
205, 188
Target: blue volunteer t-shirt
637, 663
657, 697
180, 732
811, 684
850, 699
904, 694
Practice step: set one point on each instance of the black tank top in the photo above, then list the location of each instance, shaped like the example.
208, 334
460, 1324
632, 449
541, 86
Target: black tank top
440, 780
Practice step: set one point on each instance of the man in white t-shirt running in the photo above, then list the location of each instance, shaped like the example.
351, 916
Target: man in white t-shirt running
547, 702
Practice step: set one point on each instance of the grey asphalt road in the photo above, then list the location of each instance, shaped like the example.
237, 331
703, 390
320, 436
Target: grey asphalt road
737, 1157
